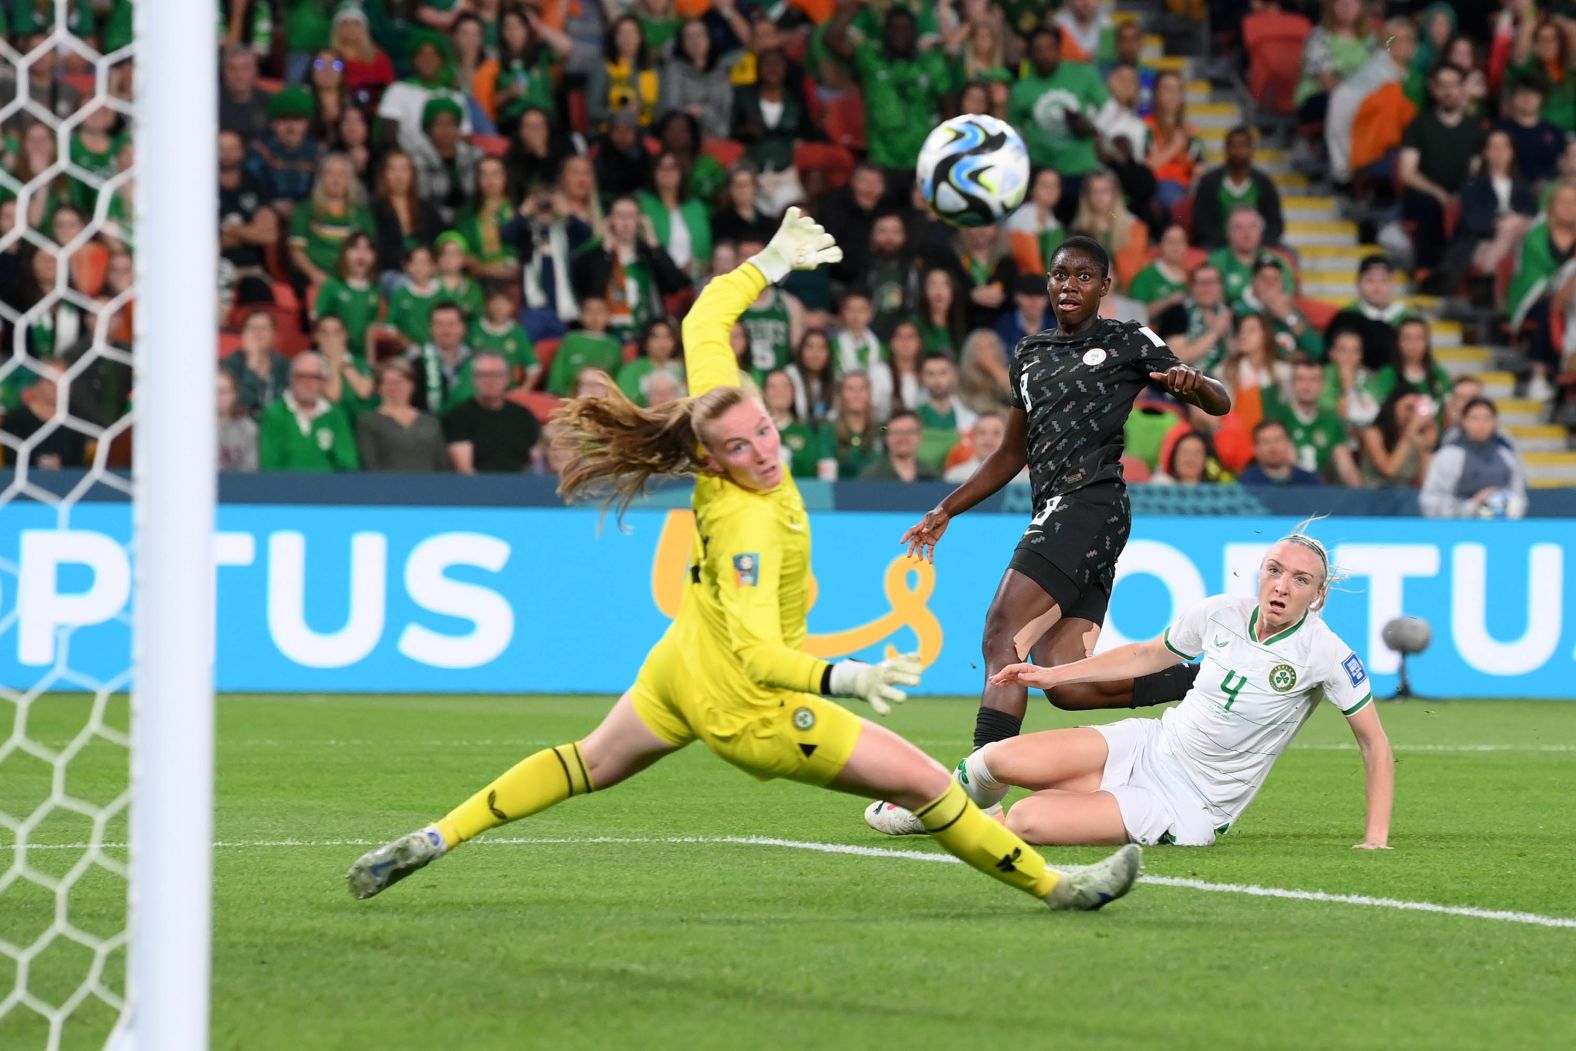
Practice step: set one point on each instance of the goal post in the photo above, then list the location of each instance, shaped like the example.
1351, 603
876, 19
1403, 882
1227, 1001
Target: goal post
175, 493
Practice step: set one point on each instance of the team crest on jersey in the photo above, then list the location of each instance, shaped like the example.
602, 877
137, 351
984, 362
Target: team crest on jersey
746, 570
1094, 357
1282, 678
803, 718
1353, 666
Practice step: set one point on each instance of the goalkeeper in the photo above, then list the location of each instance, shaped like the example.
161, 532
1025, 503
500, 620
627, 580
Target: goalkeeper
729, 671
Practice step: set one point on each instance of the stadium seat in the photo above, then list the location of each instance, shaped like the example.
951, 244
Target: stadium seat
491, 145
229, 342
834, 162
1135, 470
539, 402
1318, 312
845, 120
631, 351
546, 349
1273, 41
1182, 213
725, 152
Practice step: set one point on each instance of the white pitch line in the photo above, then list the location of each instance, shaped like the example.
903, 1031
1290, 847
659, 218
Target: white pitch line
1532, 919
525, 742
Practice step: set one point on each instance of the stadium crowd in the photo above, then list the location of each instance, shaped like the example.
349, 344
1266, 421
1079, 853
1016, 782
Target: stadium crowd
437, 217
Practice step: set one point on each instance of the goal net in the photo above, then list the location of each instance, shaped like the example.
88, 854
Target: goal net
105, 613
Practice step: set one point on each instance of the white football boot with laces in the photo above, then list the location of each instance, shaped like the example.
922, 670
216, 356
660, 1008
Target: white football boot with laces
1090, 887
379, 869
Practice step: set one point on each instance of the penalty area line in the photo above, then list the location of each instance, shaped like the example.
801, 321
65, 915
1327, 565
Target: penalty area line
1531, 919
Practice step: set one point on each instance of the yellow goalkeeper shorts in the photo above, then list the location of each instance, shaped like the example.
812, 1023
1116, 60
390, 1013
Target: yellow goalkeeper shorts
782, 733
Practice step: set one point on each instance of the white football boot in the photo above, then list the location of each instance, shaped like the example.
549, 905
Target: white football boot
892, 819
1090, 887
379, 869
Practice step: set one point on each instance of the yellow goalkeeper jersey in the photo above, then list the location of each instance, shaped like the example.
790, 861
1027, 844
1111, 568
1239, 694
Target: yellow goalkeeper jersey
742, 621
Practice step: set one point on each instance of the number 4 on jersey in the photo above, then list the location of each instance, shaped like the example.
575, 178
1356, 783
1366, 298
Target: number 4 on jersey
1231, 689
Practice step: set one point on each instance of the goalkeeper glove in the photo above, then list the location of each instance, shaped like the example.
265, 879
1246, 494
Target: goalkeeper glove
876, 684
799, 244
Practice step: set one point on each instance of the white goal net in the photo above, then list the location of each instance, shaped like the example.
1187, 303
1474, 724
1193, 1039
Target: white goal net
88, 536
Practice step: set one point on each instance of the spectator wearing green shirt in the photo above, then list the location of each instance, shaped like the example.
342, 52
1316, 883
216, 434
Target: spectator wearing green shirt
306, 32
1240, 256
1237, 182
454, 284
349, 384
902, 461
499, 333
1163, 283
1054, 105
656, 356
903, 89
681, 222
942, 414
590, 346
1414, 367
322, 223
490, 255
302, 430
1267, 297
1318, 435
352, 293
801, 447
851, 439
410, 307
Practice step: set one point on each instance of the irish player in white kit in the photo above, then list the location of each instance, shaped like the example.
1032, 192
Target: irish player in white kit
1187, 777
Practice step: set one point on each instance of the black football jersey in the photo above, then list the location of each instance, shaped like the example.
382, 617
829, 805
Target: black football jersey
1077, 392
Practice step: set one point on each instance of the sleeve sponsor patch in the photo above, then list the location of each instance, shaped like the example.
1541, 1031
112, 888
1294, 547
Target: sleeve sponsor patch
1355, 671
747, 570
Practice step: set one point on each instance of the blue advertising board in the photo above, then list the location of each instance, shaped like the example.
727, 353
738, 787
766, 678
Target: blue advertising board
327, 599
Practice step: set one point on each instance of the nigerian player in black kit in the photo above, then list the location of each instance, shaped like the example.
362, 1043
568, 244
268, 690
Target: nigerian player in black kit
1072, 390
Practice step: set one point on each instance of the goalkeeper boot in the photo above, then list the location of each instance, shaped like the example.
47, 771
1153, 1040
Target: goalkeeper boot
1090, 887
893, 819
377, 870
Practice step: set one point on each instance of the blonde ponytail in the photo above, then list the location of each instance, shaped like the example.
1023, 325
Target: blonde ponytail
614, 447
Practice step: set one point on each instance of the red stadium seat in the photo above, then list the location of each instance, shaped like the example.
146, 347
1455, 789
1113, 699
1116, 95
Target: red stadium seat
1274, 41
845, 120
834, 162
1135, 470
1318, 313
726, 152
229, 342
546, 349
491, 145
539, 402
1182, 213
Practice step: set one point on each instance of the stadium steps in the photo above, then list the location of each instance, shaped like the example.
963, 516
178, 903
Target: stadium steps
1309, 209
1550, 469
1539, 437
1328, 255
1333, 232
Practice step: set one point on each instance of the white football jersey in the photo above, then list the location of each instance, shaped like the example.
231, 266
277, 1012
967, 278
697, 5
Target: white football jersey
1251, 697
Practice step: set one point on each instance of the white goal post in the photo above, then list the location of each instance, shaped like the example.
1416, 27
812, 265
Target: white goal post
175, 493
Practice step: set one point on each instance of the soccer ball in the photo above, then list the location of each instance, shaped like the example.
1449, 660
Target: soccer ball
973, 170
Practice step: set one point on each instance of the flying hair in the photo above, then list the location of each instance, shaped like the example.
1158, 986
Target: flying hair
1302, 538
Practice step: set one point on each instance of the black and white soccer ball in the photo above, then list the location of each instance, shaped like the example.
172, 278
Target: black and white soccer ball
973, 170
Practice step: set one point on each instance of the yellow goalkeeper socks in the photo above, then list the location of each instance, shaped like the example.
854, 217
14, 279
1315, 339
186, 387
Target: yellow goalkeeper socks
960, 826
533, 784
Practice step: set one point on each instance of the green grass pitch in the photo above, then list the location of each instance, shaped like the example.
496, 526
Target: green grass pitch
558, 935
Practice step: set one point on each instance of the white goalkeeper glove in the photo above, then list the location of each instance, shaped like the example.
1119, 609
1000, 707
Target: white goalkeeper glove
800, 243
876, 684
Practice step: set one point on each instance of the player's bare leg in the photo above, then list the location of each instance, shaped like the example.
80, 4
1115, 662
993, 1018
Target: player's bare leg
1020, 606
1065, 768
1057, 818
886, 766
620, 747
